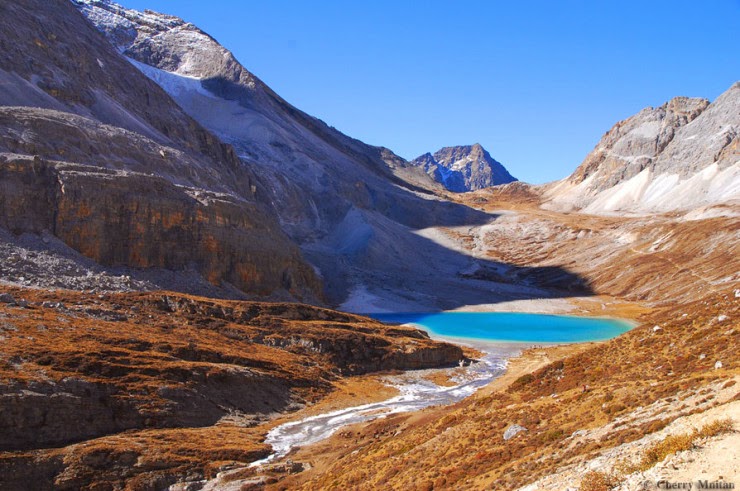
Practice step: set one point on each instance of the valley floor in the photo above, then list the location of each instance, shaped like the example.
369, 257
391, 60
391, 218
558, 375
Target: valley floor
318, 457
676, 275
571, 432
173, 388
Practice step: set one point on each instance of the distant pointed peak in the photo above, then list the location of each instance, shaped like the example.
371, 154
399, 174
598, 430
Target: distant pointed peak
424, 159
464, 167
474, 146
476, 150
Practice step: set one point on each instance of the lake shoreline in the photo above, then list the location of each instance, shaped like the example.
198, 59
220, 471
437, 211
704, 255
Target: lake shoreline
510, 329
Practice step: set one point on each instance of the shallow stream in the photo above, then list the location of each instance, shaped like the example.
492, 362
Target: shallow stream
499, 335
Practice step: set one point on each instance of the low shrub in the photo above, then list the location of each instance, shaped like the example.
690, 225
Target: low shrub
553, 435
717, 427
669, 446
523, 380
599, 481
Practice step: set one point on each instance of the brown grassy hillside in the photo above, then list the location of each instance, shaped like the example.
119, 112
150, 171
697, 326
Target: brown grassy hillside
101, 390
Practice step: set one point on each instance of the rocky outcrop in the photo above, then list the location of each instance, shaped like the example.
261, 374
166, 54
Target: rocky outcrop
126, 218
681, 155
38, 414
464, 168
513, 431
357, 352
60, 135
634, 143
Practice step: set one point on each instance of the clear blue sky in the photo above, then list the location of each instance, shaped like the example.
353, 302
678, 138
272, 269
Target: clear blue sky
535, 82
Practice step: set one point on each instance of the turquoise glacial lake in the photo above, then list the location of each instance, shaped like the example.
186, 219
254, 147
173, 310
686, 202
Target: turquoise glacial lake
512, 327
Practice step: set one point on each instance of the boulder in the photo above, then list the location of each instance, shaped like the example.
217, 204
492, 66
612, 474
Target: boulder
513, 431
7, 298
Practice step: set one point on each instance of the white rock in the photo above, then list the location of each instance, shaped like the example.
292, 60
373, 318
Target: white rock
513, 431
718, 365
722, 318
657, 328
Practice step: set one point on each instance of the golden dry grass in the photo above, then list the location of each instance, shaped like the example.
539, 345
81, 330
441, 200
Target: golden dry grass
177, 365
461, 447
673, 444
599, 481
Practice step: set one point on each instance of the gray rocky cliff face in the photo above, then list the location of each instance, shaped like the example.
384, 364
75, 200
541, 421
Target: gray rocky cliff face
635, 143
713, 137
464, 168
684, 154
59, 62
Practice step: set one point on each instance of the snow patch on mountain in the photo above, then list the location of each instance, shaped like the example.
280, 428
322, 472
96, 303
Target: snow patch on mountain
174, 84
648, 192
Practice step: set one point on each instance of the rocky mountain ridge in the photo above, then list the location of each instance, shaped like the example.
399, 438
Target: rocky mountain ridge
682, 155
464, 168
214, 88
